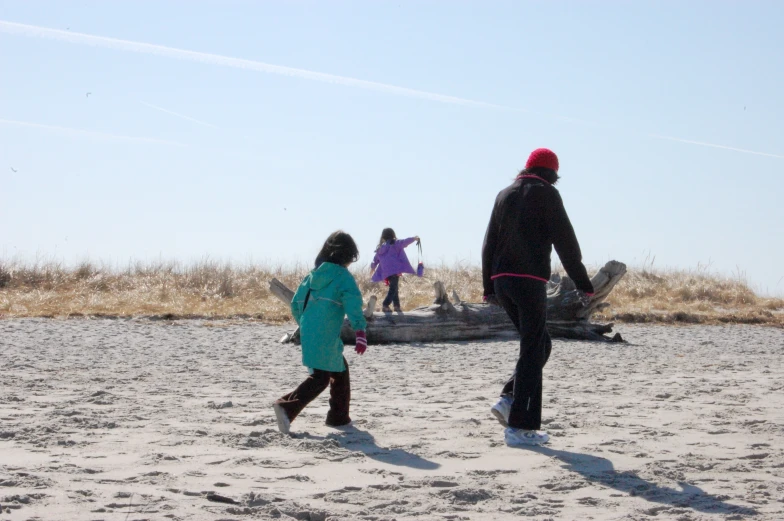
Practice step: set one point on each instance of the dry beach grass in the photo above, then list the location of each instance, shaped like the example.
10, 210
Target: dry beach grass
220, 290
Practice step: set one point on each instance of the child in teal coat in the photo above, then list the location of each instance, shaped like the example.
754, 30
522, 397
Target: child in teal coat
323, 299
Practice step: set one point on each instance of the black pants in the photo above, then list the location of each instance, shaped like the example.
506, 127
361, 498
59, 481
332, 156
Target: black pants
525, 301
392, 294
339, 395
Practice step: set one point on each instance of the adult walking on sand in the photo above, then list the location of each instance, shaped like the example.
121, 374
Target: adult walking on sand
528, 219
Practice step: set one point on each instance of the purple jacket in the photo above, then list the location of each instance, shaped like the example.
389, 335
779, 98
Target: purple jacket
391, 259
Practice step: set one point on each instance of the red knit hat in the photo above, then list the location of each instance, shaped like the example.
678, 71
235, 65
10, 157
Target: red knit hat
542, 157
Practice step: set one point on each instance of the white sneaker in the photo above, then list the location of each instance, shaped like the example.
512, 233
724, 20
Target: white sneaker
346, 427
501, 410
284, 424
516, 437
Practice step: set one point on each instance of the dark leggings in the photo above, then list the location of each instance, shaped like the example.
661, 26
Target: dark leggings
339, 395
525, 301
392, 294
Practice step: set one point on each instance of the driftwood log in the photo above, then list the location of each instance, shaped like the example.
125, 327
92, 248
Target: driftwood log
568, 315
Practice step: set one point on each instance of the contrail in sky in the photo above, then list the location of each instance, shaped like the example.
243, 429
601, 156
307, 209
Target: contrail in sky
183, 116
745, 151
89, 133
252, 65
227, 61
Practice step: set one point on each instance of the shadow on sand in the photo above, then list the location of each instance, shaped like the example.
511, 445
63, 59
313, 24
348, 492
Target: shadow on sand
601, 470
356, 440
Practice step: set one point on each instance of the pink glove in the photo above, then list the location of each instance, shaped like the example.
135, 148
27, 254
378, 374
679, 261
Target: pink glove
491, 299
361, 346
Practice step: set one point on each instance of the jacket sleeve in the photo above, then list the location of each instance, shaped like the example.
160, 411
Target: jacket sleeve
405, 243
298, 302
351, 298
566, 245
375, 262
488, 251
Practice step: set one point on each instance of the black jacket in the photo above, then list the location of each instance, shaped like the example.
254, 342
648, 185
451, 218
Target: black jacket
528, 219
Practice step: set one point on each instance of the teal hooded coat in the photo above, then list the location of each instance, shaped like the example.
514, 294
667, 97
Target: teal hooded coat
333, 295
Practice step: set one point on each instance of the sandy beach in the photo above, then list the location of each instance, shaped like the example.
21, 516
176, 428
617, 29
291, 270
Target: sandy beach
138, 419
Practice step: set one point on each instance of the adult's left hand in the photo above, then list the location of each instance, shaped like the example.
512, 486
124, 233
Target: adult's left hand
491, 299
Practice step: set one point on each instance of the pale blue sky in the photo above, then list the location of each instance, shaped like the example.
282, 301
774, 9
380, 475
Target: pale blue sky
241, 161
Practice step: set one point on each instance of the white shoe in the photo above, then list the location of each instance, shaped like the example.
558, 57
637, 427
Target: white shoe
516, 437
346, 427
284, 424
501, 410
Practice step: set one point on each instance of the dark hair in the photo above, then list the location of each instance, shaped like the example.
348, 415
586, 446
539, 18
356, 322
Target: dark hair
339, 248
551, 176
387, 235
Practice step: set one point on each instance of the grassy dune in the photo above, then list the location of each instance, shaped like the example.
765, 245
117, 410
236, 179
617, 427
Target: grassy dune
218, 290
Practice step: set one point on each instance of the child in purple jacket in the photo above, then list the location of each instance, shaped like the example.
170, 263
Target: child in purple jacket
390, 263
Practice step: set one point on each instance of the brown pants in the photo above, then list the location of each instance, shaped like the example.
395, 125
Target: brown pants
339, 395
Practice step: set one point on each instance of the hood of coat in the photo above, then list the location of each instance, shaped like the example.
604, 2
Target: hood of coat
387, 246
324, 275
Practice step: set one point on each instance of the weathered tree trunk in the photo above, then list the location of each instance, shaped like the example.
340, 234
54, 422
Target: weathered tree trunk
568, 314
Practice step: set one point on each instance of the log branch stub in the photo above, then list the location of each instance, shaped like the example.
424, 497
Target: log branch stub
371, 307
280, 290
440, 291
603, 283
442, 300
